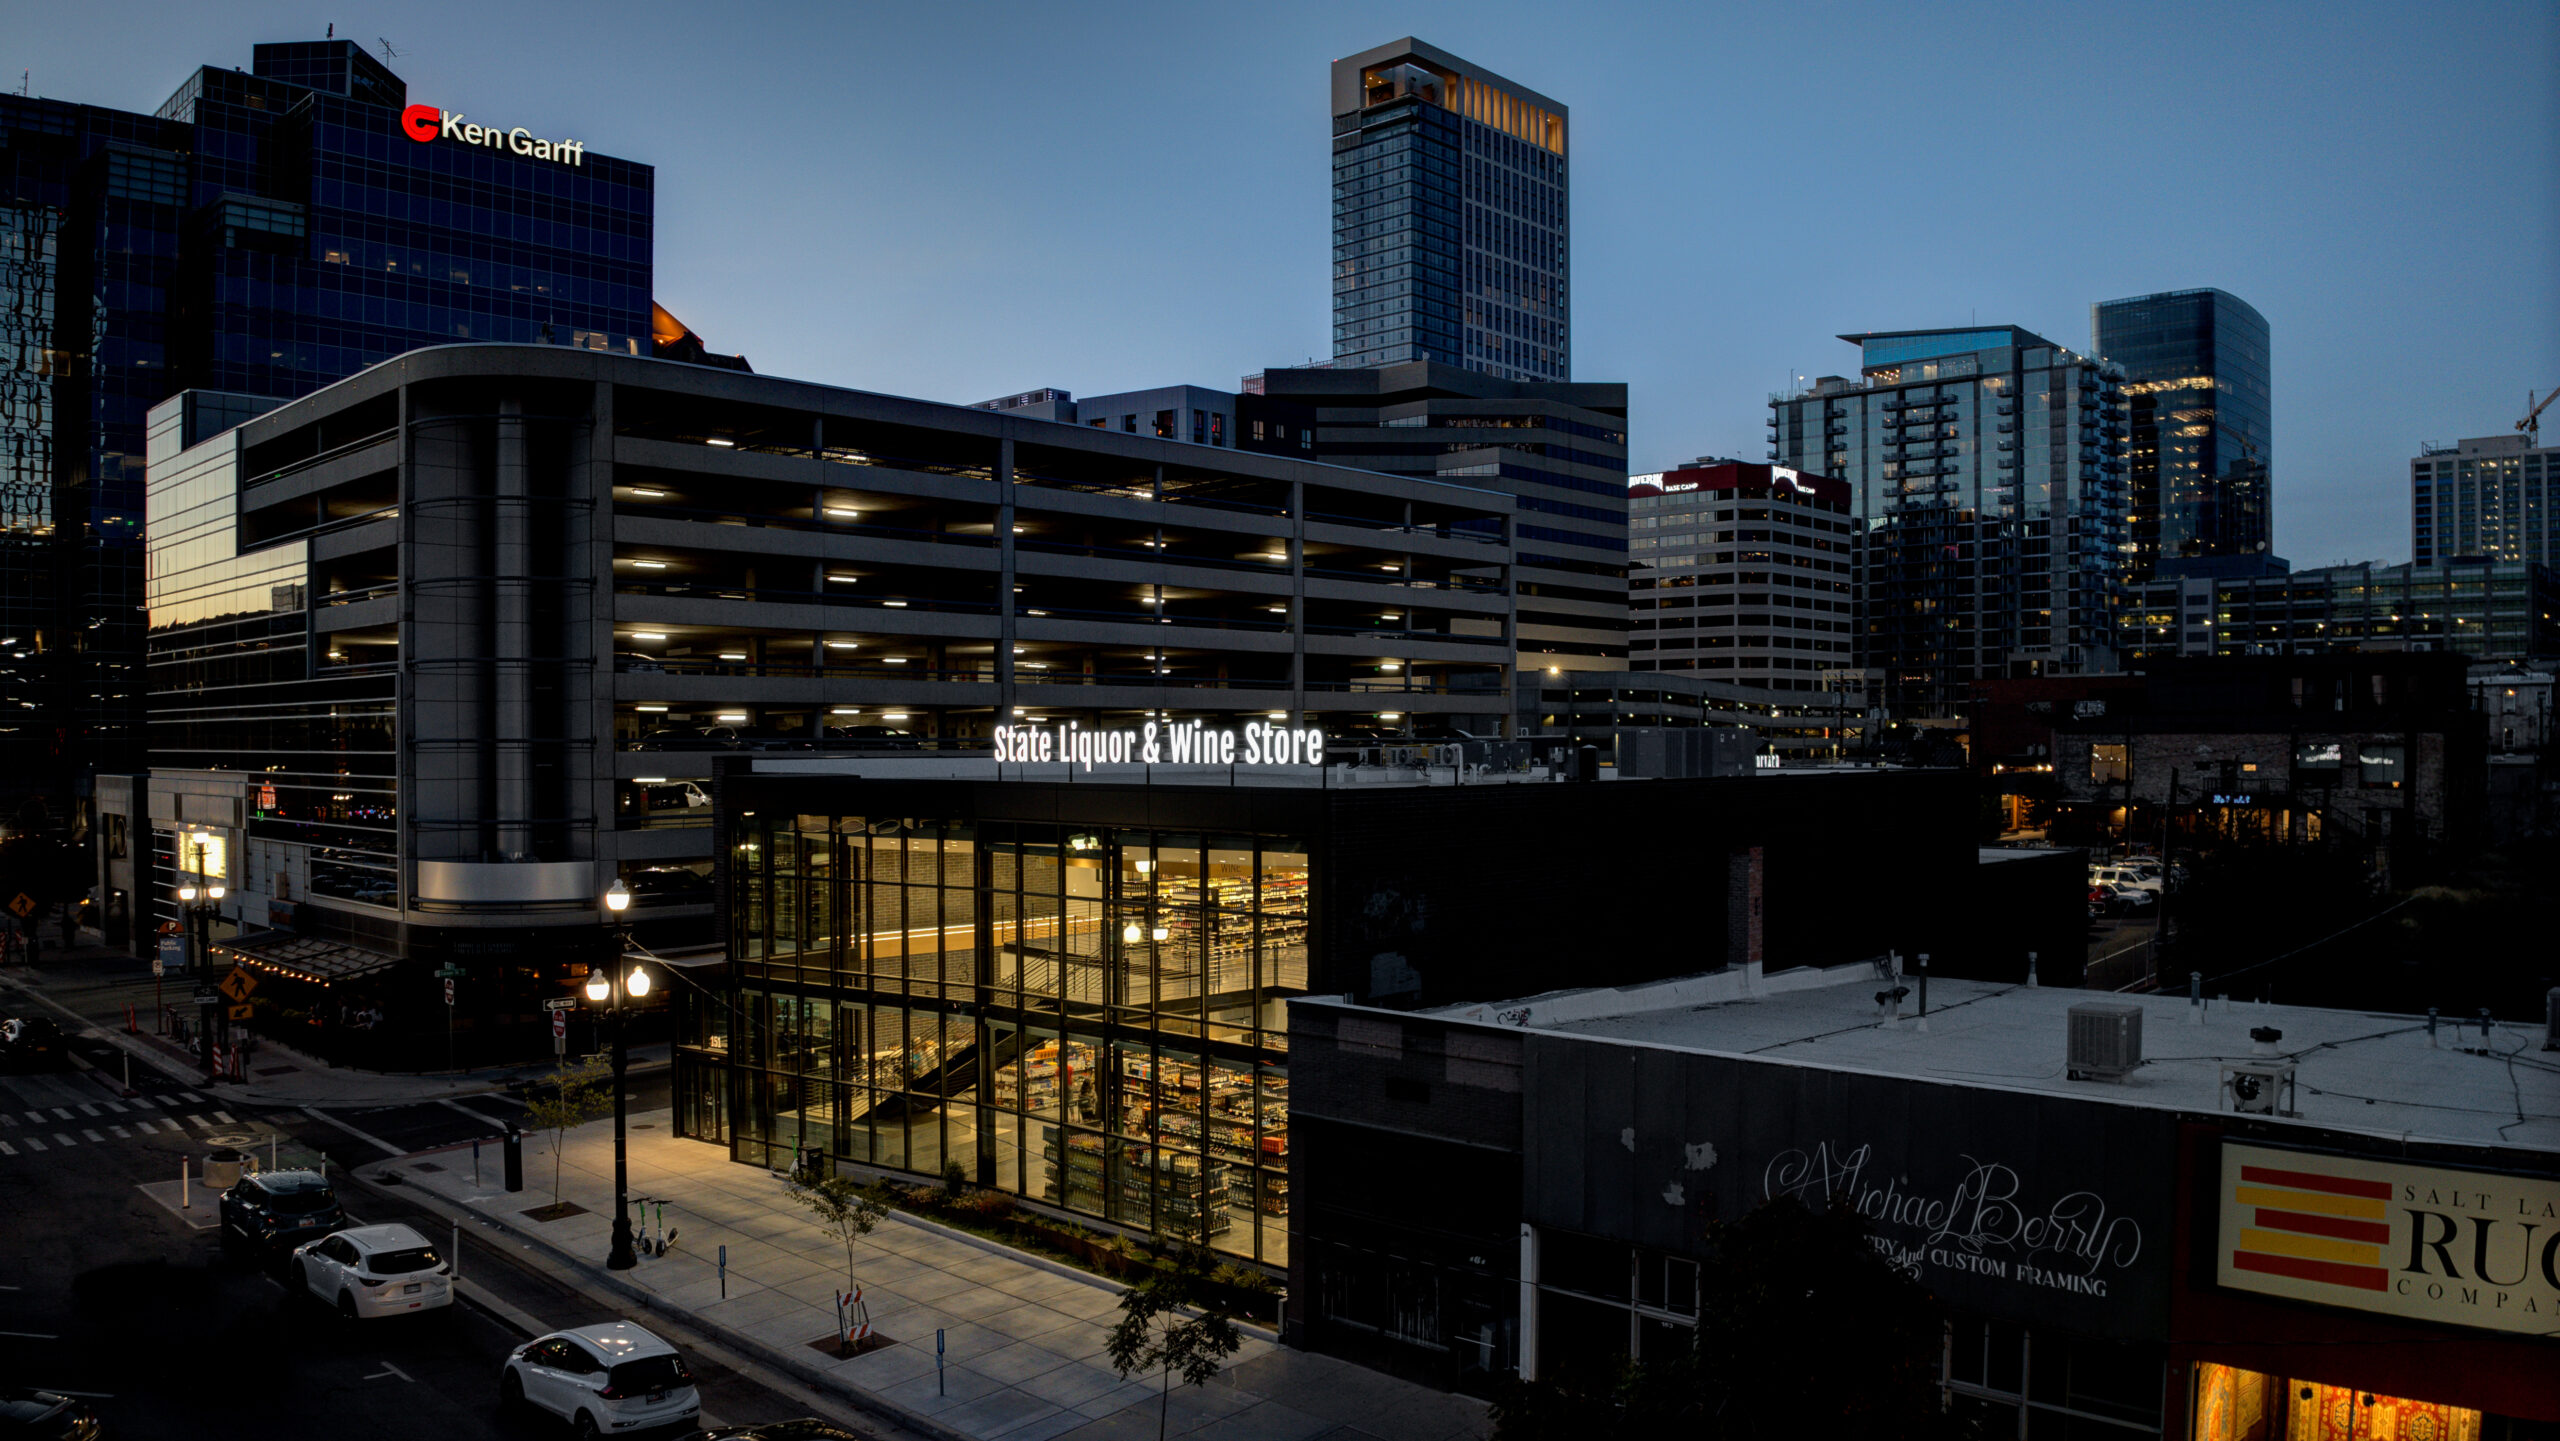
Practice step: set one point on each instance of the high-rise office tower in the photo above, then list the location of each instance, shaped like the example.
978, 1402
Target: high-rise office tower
1984, 467
266, 232
2197, 451
1450, 221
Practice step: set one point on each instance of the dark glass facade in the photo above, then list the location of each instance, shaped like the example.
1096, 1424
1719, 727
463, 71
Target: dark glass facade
2198, 452
267, 232
1450, 217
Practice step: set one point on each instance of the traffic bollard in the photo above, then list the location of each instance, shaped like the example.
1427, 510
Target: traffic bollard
271, 1150
186, 1196
940, 1388
514, 1157
475, 1160
724, 1271
457, 1250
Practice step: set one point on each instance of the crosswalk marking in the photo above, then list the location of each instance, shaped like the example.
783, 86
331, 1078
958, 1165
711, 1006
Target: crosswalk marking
36, 1116
225, 1118
62, 1113
197, 1120
7, 1150
116, 1106
121, 1133
139, 1127
92, 1135
61, 1138
35, 1145
88, 1110
191, 1098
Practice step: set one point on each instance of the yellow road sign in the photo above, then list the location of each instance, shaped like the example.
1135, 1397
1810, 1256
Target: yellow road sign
241, 1013
22, 905
238, 984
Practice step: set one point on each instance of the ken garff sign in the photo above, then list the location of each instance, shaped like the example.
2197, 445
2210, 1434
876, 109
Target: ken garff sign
1189, 743
426, 123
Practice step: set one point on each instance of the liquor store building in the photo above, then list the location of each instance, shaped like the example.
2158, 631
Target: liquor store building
1075, 985
2284, 1222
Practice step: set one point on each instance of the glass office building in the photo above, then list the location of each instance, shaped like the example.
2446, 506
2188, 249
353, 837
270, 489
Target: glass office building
2490, 498
2198, 449
1450, 217
266, 232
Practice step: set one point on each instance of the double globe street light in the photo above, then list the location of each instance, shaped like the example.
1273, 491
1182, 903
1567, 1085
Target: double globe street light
601, 988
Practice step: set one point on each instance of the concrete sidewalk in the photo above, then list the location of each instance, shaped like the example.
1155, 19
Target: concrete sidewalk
1024, 1335
99, 986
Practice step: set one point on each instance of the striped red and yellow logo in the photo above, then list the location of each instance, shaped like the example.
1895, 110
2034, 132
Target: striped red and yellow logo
2313, 1227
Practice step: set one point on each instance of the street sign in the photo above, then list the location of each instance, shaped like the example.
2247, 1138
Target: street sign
559, 1024
22, 905
241, 1013
208, 996
237, 984
172, 955
448, 990
451, 972
565, 1003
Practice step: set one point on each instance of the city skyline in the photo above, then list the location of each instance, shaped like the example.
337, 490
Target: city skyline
2388, 174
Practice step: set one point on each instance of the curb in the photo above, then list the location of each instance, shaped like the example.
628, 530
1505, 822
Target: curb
1255, 1329
798, 1370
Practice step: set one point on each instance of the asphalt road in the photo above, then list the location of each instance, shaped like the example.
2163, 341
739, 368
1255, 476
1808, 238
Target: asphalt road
108, 1292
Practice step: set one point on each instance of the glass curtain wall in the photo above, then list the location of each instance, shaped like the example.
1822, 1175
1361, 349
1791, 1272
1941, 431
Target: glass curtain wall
1090, 1019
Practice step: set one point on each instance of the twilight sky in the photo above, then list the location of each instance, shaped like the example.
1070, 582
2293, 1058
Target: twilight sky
961, 200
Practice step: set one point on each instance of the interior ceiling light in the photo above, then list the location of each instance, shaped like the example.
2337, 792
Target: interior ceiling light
895, 715
648, 635
893, 659
650, 564
733, 655
846, 511
895, 604
723, 444
733, 715
844, 579
647, 491
842, 644
649, 707
846, 710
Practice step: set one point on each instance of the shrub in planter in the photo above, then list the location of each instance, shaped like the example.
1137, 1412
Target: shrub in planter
985, 1206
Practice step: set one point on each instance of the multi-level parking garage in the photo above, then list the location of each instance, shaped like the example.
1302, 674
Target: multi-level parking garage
465, 634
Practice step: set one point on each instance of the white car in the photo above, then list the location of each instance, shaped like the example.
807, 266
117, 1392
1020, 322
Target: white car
373, 1271
2139, 877
604, 1380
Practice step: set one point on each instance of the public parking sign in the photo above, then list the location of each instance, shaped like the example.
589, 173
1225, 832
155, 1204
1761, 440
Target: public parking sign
172, 955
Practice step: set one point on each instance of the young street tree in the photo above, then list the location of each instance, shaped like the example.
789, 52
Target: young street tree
847, 1211
1158, 1330
577, 1097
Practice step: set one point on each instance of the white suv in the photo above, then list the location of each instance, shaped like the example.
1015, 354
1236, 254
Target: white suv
373, 1271
605, 1379
2139, 878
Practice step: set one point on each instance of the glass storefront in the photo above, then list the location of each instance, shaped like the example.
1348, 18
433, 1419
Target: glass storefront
2236, 1404
1090, 1019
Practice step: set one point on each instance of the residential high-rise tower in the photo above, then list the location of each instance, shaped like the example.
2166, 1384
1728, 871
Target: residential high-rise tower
1450, 221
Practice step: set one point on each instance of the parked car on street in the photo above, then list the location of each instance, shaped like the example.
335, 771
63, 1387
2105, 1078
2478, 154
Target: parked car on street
279, 1208
2124, 899
373, 1271
46, 1416
610, 1378
2127, 874
31, 1043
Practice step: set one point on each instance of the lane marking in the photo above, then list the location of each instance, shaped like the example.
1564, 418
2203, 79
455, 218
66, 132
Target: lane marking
32, 1335
387, 1147
387, 1370
225, 1118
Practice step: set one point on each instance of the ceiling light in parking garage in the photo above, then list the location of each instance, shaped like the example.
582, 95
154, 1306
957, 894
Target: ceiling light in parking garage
1390, 567
732, 715
648, 635
651, 494
848, 512
895, 715
650, 564
733, 655
846, 710
1277, 609
1035, 612
894, 659
1391, 715
723, 444
1279, 715
844, 579
895, 604
1391, 665
842, 644
649, 707
1391, 615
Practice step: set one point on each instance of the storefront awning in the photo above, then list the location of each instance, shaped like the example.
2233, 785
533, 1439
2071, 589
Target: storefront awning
303, 958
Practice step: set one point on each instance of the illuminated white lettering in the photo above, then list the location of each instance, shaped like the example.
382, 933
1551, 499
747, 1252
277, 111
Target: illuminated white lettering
452, 128
520, 140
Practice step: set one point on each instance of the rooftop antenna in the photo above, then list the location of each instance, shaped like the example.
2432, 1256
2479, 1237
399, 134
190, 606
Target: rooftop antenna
387, 52
333, 31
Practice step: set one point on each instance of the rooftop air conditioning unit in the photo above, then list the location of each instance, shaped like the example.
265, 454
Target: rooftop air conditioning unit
2106, 1041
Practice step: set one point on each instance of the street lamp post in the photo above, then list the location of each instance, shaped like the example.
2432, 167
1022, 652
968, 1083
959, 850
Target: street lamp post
190, 915
603, 985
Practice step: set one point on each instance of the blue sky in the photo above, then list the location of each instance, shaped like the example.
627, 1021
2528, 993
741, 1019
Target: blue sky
964, 200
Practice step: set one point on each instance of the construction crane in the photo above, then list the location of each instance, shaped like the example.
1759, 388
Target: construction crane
2531, 425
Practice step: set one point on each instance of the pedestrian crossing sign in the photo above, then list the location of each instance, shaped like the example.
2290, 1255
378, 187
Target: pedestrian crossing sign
22, 905
241, 1013
238, 984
